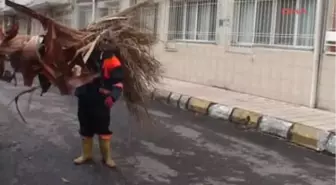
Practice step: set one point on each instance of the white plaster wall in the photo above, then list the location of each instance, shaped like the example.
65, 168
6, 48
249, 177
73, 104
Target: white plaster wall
276, 74
326, 88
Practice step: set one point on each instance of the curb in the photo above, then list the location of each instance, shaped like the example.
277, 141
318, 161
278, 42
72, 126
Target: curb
297, 133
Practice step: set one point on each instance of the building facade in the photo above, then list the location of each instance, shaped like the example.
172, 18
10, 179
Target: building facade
260, 47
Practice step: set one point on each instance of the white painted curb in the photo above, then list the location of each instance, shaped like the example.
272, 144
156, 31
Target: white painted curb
183, 102
174, 99
275, 126
220, 111
331, 145
322, 140
161, 95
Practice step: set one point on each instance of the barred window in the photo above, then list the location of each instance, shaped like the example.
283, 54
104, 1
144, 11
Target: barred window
287, 23
102, 12
103, 8
148, 17
106, 8
62, 16
84, 16
192, 20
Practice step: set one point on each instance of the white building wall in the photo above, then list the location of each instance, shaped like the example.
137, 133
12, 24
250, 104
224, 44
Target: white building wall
281, 75
326, 89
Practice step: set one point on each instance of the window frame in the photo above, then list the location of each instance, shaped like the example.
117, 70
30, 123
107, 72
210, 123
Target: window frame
185, 4
273, 29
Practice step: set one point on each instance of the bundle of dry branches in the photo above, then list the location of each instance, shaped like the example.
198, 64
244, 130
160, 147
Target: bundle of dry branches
64, 47
142, 70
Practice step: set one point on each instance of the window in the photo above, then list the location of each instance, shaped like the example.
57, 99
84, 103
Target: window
133, 2
192, 20
287, 23
84, 16
62, 16
107, 8
102, 12
147, 17
103, 8
23, 25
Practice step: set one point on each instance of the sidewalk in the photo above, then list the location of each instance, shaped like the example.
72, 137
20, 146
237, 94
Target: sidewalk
301, 125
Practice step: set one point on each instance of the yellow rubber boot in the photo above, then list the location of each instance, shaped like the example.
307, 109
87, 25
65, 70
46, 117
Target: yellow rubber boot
105, 150
87, 144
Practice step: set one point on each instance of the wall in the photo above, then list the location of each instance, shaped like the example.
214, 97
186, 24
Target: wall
276, 74
326, 88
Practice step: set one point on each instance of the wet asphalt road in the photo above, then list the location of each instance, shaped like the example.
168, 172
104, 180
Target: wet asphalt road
181, 149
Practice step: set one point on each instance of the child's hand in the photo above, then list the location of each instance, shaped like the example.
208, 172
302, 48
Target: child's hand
109, 101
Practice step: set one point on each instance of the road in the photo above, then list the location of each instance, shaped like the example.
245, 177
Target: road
180, 149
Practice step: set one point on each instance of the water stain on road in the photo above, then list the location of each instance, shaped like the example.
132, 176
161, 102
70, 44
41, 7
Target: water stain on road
186, 132
152, 170
159, 113
157, 150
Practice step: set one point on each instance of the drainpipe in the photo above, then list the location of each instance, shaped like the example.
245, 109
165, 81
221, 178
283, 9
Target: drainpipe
320, 28
93, 11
